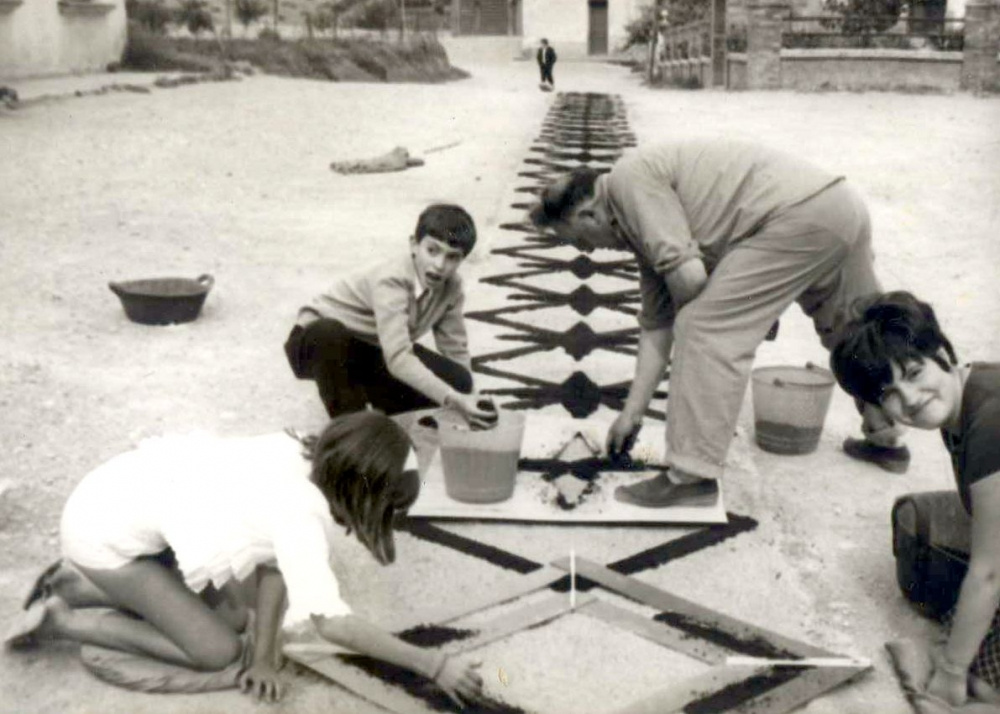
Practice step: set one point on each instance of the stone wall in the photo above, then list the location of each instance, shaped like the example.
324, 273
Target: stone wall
768, 66
50, 37
980, 68
810, 70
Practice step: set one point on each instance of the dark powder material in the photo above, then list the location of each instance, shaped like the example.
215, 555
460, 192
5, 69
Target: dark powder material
422, 688
434, 635
685, 545
501, 558
752, 646
786, 438
735, 694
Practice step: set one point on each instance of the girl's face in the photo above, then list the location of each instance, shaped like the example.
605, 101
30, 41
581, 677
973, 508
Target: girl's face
923, 395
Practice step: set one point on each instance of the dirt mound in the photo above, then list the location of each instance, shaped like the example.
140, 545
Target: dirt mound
415, 59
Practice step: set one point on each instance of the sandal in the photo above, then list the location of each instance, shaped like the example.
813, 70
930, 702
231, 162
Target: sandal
42, 586
21, 632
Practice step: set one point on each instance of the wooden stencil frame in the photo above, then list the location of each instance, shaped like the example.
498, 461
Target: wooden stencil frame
682, 626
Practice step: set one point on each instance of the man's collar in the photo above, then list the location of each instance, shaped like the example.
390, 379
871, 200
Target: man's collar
603, 200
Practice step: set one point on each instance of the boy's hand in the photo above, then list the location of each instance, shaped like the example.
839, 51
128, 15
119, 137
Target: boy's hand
460, 681
263, 681
478, 411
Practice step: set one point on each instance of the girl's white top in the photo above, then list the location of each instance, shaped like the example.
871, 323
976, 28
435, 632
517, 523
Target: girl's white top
224, 505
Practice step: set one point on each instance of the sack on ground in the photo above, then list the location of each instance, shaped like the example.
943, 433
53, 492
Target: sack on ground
930, 540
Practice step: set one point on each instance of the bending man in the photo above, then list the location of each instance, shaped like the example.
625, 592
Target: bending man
726, 235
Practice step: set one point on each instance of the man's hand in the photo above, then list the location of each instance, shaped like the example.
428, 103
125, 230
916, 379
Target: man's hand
622, 434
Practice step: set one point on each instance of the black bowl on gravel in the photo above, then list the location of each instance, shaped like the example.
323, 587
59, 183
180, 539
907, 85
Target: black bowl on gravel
163, 301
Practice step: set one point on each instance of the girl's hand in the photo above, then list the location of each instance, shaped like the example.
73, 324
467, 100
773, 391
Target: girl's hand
949, 686
460, 680
263, 681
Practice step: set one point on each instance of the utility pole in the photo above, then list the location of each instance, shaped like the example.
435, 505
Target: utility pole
659, 17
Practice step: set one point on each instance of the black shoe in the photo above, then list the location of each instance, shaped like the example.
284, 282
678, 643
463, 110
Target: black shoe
655, 493
891, 458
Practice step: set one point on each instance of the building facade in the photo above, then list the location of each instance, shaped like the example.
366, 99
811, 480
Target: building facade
576, 28
51, 37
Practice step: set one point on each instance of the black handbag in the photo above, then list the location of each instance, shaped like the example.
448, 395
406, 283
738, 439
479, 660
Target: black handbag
930, 541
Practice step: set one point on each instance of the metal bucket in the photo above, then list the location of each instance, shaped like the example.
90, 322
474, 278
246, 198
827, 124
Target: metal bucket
480, 466
790, 406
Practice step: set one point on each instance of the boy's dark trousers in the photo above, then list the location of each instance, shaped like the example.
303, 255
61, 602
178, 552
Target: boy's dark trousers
546, 71
351, 373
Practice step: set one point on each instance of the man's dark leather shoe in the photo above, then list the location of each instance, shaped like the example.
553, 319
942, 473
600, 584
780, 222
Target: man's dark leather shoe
653, 493
891, 458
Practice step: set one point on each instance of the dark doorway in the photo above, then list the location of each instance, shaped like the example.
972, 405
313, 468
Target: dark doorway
597, 38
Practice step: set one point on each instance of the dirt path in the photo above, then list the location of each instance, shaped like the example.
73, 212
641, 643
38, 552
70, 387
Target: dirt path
232, 179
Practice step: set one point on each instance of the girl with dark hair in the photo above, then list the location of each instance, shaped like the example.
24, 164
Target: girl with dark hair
164, 535
896, 356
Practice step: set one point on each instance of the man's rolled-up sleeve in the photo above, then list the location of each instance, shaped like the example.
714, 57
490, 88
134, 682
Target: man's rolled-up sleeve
657, 308
648, 209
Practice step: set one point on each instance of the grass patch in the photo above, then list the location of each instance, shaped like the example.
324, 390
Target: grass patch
416, 59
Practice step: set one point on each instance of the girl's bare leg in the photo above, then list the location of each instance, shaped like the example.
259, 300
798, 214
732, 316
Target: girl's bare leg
79, 591
982, 691
176, 625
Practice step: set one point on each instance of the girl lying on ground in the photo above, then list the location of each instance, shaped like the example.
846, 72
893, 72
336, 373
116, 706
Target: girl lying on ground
896, 356
167, 531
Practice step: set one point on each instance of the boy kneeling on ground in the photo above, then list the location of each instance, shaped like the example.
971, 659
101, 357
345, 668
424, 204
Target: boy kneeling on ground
357, 339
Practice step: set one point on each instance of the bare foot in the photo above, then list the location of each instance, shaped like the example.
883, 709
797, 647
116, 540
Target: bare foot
44, 620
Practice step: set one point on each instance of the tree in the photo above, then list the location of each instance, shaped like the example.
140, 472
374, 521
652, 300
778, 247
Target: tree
194, 15
152, 14
249, 11
861, 16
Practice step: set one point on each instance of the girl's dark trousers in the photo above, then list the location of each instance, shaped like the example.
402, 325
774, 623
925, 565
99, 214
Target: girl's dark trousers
351, 373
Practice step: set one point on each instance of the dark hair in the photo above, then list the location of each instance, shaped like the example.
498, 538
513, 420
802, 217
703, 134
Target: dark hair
449, 223
560, 197
357, 462
893, 328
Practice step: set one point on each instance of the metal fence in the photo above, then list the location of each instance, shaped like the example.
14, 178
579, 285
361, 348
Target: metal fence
873, 32
690, 41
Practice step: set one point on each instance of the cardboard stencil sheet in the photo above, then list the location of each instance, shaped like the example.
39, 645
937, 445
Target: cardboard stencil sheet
562, 477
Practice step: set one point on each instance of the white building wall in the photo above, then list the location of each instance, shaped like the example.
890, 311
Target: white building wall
566, 24
46, 37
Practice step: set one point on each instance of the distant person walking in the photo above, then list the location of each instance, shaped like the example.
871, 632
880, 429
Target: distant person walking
546, 57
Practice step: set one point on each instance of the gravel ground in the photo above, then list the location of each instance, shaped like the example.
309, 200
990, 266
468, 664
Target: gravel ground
232, 179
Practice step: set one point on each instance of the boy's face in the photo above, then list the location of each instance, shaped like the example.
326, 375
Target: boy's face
434, 260
923, 395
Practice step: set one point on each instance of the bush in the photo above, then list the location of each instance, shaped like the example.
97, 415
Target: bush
249, 11
194, 15
147, 51
373, 14
150, 14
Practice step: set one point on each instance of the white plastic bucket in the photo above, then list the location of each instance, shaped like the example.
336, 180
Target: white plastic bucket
480, 466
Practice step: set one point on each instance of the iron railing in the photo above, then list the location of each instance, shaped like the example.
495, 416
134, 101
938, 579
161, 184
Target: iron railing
873, 32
